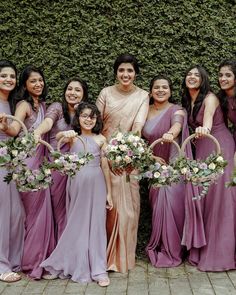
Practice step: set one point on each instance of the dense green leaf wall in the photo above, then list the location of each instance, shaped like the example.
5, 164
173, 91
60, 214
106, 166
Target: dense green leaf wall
84, 37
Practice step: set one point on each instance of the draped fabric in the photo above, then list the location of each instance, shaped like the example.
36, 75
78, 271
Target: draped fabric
123, 112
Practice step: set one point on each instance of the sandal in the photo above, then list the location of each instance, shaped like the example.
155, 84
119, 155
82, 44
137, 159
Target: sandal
10, 277
104, 282
49, 276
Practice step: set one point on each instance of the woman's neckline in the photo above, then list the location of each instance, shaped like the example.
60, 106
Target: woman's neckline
125, 92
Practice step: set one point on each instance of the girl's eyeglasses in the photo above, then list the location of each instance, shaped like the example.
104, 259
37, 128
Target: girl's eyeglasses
85, 116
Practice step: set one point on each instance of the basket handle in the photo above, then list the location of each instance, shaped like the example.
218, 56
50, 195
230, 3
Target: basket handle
79, 137
159, 140
18, 121
218, 149
50, 148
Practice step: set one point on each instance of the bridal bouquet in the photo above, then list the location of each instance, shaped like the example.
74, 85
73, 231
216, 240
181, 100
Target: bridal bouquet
126, 150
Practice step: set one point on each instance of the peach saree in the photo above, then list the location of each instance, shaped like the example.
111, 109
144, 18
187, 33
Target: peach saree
124, 112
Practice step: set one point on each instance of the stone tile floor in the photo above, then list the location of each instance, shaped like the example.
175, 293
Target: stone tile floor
143, 280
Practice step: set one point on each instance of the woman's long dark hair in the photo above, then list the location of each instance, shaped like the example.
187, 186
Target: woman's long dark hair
65, 106
231, 64
94, 111
12, 94
161, 77
23, 93
204, 90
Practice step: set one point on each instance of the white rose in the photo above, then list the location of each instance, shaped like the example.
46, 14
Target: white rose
119, 136
212, 166
123, 147
127, 159
14, 176
220, 159
47, 171
141, 149
156, 174
164, 167
184, 170
131, 138
114, 148
14, 153
23, 141
81, 161
195, 169
118, 159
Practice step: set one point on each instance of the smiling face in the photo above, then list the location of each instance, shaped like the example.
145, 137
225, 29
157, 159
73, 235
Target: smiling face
35, 84
74, 93
7, 79
227, 79
193, 79
125, 75
87, 121
160, 91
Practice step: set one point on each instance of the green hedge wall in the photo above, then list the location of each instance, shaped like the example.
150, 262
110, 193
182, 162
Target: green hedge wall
84, 37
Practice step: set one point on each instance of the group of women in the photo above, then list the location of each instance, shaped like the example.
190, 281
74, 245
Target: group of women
65, 230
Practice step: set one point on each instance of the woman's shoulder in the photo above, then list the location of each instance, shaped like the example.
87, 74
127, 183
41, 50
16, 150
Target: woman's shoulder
57, 106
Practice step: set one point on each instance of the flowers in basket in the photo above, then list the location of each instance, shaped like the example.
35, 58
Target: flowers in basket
232, 181
128, 150
30, 180
69, 163
14, 150
161, 175
201, 173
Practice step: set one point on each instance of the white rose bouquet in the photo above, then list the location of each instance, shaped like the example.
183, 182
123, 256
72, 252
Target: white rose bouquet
126, 150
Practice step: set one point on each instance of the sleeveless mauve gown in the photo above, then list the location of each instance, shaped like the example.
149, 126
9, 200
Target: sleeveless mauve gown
81, 250
12, 217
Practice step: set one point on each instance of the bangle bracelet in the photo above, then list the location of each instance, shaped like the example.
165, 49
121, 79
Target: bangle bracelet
170, 133
208, 129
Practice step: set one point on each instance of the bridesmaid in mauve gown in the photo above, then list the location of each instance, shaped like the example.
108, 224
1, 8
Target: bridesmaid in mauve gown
39, 228
165, 120
227, 93
205, 116
124, 107
11, 209
58, 118
81, 251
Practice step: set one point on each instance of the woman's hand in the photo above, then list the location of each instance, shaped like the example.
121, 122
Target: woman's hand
168, 137
202, 131
3, 122
159, 160
37, 136
69, 134
109, 204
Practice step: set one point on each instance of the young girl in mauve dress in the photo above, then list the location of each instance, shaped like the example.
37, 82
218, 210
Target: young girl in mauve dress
81, 251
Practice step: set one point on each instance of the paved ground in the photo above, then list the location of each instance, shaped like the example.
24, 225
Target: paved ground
143, 280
